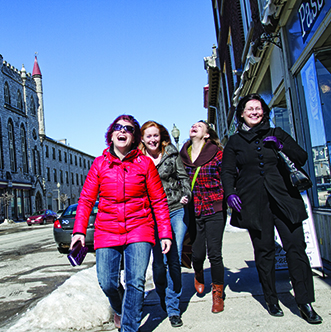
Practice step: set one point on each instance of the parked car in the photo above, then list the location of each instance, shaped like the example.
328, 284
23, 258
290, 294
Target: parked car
322, 190
42, 217
328, 200
64, 226
59, 212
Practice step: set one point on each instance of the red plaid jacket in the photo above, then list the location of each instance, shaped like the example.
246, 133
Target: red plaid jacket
208, 190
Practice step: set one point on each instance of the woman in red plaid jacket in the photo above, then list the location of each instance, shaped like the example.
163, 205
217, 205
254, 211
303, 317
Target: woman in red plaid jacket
202, 158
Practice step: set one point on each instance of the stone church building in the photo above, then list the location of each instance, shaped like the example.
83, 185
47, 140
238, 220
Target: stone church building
36, 171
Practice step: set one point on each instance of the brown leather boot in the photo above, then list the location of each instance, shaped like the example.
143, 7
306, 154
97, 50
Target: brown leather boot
199, 282
218, 302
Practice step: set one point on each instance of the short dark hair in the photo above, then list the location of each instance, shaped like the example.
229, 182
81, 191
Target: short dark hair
242, 104
133, 121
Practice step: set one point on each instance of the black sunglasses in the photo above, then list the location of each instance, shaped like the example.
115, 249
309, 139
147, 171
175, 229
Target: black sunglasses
128, 129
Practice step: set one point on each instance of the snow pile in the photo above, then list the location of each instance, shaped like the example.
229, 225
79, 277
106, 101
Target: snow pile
77, 304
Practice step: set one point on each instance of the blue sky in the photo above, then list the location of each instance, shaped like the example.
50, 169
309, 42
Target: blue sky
100, 59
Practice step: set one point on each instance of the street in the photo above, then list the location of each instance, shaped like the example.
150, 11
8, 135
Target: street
27, 279
30, 267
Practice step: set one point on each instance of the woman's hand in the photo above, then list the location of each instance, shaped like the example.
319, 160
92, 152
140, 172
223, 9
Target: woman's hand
234, 202
75, 238
273, 140
184, 200
166, 244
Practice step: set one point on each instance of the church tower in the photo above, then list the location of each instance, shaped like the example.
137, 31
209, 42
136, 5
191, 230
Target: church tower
36, 75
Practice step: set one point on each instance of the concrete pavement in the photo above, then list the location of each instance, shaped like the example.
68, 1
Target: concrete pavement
245, 308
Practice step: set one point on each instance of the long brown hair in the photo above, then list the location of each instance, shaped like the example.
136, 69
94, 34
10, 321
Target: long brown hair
164, 135
213, 137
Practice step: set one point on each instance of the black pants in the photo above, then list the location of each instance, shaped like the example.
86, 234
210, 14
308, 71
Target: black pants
293, 243
209, 231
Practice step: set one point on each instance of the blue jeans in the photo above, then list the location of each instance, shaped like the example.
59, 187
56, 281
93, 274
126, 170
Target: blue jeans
167, 268
129, 302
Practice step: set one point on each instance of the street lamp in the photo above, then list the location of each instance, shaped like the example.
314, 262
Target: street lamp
175, 134
58, 195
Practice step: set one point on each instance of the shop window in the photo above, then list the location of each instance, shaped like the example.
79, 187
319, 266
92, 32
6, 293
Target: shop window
316, 82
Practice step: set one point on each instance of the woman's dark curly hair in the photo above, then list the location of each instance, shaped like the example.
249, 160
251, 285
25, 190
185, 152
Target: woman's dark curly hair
135, 124
242, 104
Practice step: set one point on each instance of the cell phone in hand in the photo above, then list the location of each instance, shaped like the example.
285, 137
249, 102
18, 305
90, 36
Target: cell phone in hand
77, 254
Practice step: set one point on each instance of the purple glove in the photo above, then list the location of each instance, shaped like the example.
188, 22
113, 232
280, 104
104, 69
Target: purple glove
234, 202
273, 139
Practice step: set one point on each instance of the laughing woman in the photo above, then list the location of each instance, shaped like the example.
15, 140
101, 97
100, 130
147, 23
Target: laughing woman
129, 188
202, 158
156, 144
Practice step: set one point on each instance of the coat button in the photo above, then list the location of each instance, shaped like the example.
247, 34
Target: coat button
257, 142
262, 172
260, 156
258, 148
261, 164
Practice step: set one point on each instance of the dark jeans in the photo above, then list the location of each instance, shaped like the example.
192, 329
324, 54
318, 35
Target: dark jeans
293, 243
167, 268
209, 232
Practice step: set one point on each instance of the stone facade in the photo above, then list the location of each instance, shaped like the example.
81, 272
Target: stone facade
23, 161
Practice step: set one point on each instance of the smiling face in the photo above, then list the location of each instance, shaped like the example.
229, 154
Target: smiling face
152, 138
199, 130
122, 140
253, 113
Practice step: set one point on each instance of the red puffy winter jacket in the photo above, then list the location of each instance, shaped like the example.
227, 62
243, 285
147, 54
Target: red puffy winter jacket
127, 189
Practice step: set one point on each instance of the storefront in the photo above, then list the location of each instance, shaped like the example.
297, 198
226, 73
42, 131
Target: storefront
308, 44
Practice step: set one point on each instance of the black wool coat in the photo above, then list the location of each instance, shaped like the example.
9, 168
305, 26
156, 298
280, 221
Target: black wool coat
250, 171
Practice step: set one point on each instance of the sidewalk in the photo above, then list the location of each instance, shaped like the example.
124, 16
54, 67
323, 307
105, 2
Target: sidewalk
245, 308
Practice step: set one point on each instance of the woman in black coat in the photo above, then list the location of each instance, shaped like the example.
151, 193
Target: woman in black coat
261, 199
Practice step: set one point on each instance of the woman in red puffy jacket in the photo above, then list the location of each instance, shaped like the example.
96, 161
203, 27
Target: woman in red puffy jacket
129, 187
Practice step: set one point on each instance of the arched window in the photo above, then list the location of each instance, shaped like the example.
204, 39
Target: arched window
7, 94
32, 106
11, 140
19, 101
24, 150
